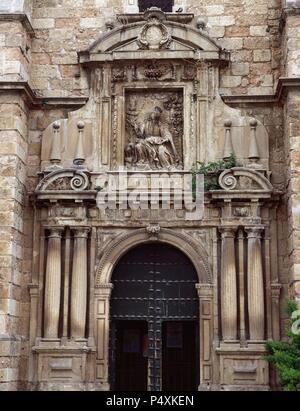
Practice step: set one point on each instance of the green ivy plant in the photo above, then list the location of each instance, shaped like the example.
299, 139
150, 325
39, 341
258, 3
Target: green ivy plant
285, 355
211, 171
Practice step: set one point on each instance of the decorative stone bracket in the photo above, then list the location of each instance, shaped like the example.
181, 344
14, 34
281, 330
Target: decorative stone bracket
241, 178
65, 184
66, 179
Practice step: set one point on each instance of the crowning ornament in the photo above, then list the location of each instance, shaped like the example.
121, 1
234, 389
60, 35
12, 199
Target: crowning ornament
154, 34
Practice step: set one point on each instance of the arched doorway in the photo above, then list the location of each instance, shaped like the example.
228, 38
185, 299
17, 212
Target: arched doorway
154, 334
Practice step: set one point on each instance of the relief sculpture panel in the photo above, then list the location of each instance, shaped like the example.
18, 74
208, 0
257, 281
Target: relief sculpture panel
154, 130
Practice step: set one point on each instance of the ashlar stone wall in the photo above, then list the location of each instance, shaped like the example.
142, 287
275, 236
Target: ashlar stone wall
249, 30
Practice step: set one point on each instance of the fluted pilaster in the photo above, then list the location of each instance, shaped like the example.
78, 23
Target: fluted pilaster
79, 283
53, 283
228, 285
255, 285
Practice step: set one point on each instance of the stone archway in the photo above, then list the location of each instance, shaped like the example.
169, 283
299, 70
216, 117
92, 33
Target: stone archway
103, 287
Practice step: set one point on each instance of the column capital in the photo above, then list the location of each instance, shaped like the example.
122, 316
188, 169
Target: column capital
228, 231
80, 231
55, 231
254, 231
204, 290
275, 290
241, 235
104, 289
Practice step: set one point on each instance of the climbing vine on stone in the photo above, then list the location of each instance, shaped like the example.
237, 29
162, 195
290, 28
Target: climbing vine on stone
212, 170
285, 355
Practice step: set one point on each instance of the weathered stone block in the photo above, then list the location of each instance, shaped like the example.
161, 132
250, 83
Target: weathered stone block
231, 44
230, 81
258, 30
221, 20
92, 22
43, 23
240, 69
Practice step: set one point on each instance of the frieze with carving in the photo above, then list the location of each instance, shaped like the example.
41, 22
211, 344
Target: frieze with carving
189, 72
119, 73
154, 70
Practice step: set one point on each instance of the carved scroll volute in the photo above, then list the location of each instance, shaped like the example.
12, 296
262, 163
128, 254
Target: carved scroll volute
79, 153
228, 148
253, 148
55, 154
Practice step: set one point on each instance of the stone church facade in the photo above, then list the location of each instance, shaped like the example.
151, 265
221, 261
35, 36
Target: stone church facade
96, 296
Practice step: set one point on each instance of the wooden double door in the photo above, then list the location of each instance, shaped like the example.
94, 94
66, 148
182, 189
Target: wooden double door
178, 359
154, 341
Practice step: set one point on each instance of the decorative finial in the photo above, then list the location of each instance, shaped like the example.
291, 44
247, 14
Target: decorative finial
55, 155
253, 148
79, 154
109, 24
201, 24
228, 148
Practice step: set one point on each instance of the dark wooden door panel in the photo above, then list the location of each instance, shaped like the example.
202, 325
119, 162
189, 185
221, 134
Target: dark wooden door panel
131, 358
179, 356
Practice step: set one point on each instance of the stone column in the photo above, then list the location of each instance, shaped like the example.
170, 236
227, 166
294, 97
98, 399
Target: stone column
53, 283
79, 283
255, 284
228, 285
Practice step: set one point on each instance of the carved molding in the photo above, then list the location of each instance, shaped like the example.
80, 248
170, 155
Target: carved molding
124, 242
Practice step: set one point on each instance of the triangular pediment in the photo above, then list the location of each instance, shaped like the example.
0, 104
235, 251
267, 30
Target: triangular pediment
134, 46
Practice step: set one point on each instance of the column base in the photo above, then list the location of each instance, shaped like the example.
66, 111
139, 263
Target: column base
63, 367
244, 388
68, 386
232, 387
243, 368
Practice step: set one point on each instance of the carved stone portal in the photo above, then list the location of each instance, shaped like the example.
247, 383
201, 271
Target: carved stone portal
154, 130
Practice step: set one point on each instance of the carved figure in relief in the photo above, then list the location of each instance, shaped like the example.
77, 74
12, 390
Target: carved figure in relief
153, 145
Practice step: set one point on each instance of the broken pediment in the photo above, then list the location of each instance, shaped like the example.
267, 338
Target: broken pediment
153, 32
